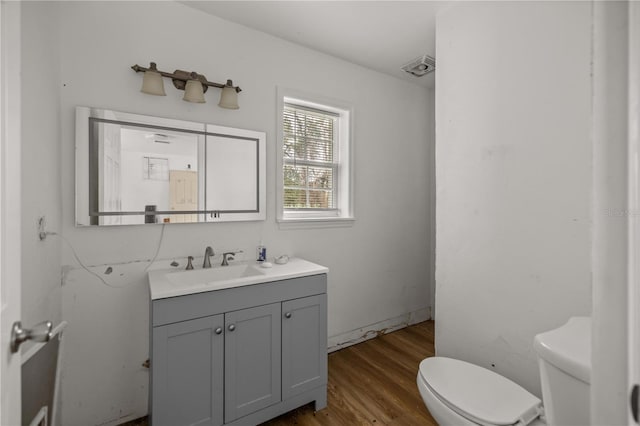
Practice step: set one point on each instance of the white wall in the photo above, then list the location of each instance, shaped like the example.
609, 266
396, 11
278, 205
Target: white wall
41, 190
513, 176
380, 266
610, 213
10, 199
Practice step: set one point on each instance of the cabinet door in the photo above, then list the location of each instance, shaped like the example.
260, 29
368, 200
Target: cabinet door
304, 344
252, 360
187, 373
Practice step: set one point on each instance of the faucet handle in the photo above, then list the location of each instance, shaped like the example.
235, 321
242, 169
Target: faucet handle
189, 264
227, 256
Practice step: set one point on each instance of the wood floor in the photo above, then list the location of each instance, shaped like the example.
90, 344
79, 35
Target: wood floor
373, 383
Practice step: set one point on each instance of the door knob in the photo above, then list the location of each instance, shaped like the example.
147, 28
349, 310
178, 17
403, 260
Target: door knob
232, 327
218, 330
287, 315
39, 333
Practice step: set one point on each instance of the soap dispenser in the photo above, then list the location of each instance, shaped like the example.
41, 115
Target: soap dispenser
261, 253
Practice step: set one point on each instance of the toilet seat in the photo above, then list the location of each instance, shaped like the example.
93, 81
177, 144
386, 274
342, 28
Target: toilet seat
478, 394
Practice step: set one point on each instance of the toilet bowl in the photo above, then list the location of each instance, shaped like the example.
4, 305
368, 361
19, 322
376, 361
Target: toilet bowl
459, 393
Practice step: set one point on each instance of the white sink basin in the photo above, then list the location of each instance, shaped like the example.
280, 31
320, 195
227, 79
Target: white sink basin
169, 282
213, 275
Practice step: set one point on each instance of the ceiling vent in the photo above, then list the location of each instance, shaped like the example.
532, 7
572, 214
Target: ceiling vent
159, 137
420, 66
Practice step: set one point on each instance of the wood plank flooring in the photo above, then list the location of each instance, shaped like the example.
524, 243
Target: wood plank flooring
373, 383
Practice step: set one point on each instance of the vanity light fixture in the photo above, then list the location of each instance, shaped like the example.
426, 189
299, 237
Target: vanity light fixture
152, 82
194, 92
194, 85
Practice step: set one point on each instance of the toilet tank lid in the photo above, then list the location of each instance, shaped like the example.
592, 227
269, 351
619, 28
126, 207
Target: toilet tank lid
568, 347
481, 394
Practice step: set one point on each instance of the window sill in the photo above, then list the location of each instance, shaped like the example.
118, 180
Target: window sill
311, 223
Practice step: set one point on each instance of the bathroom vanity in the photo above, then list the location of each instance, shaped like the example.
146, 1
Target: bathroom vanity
237, 344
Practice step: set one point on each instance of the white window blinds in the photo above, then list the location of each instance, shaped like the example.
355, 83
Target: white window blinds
310, 165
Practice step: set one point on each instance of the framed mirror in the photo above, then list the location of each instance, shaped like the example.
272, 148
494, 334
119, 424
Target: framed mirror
133, 169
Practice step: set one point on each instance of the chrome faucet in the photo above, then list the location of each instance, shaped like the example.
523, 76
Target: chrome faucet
208, 253
226, 257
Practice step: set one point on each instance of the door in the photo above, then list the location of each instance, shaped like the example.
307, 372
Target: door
304, 344
183, 195
252, 360
187, 373
10, 404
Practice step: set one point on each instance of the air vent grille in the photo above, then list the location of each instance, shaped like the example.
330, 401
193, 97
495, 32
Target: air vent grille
420, 66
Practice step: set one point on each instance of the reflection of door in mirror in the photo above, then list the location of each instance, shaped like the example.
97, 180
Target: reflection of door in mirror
183, 195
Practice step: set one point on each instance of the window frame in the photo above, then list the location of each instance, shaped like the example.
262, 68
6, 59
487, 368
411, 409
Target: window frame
343, 213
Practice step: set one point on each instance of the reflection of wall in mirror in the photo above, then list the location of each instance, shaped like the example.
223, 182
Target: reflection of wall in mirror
155, 168
147, 158
232, 174
110, 178
138, 191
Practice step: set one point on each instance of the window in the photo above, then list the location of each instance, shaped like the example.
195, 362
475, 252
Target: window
310, 158
314, 160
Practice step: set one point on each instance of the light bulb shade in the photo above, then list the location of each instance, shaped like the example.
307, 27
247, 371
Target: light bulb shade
228, 98
152, 84
194, 92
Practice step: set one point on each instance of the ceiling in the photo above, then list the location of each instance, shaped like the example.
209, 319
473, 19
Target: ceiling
380, 35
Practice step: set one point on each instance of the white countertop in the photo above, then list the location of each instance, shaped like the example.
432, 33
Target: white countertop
162, 287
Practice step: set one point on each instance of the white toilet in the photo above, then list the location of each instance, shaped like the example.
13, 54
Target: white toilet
459, 393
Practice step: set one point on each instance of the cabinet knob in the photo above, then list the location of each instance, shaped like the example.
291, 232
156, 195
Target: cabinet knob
218, 330
287, 315
232, 327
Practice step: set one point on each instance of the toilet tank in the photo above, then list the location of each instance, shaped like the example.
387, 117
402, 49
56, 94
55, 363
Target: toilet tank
564, 358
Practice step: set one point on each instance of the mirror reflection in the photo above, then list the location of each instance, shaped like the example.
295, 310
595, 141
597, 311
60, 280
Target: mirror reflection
144, 170
226, 160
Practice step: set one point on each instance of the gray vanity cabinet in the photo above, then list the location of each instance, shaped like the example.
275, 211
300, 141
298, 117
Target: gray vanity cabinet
239, 356
252, 355
304, 344
188, 365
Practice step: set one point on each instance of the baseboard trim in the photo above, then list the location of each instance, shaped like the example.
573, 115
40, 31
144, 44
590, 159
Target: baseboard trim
371, 331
